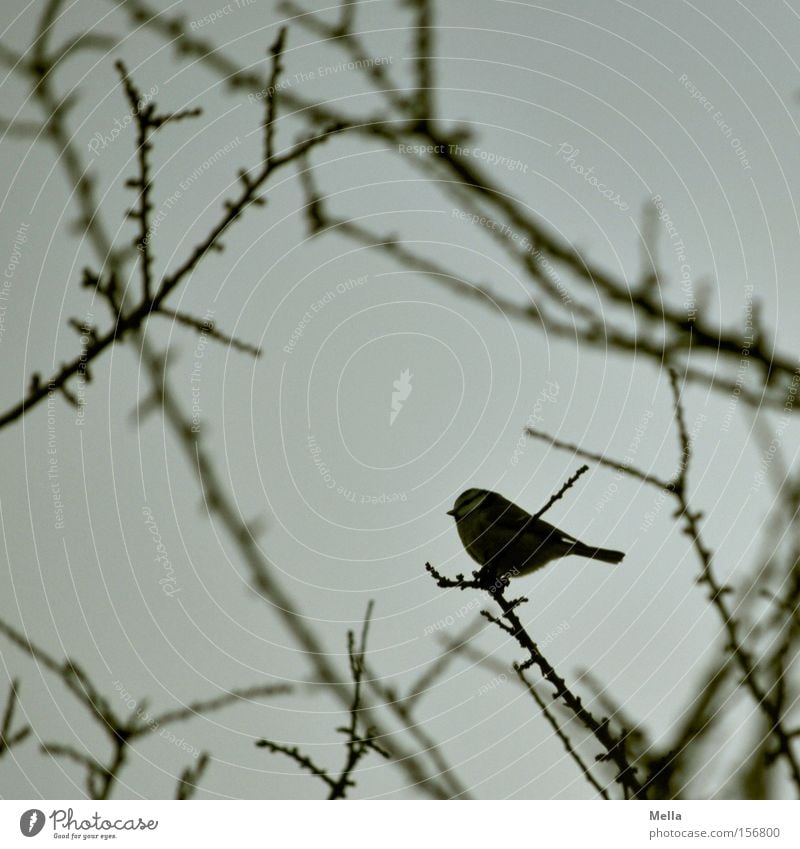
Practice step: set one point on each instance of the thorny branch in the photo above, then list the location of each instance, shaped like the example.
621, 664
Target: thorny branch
613, 745
459, 646
561, 734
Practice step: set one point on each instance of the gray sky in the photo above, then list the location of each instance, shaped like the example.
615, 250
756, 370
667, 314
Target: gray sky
619, 86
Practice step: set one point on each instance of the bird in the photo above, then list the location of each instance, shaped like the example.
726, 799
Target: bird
508, 542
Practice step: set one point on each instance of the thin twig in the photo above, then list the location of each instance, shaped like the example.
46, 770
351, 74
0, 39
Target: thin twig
560, 494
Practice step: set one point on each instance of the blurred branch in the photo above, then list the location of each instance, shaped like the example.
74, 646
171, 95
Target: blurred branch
767, 699
207, 706
636, 736
120, 731
358, 744
190, 777
344, 34
320, 221
85, 42
206, 327
402, 708
668, 768
9, 738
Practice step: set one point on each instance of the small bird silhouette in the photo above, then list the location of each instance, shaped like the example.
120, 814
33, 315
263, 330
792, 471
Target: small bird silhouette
506, 540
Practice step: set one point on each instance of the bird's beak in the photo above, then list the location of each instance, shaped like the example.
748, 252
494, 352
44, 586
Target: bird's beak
451, 512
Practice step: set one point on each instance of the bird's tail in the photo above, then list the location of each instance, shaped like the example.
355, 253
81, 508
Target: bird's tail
605, 555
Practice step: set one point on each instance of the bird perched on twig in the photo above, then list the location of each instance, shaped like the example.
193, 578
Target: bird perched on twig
507, 541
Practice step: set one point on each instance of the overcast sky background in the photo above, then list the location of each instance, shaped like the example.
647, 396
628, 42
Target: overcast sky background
602, 77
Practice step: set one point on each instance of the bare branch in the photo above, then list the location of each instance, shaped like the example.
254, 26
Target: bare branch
85, 42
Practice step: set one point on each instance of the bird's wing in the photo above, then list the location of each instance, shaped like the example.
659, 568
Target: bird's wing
547, 531
506, 514
514, 519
